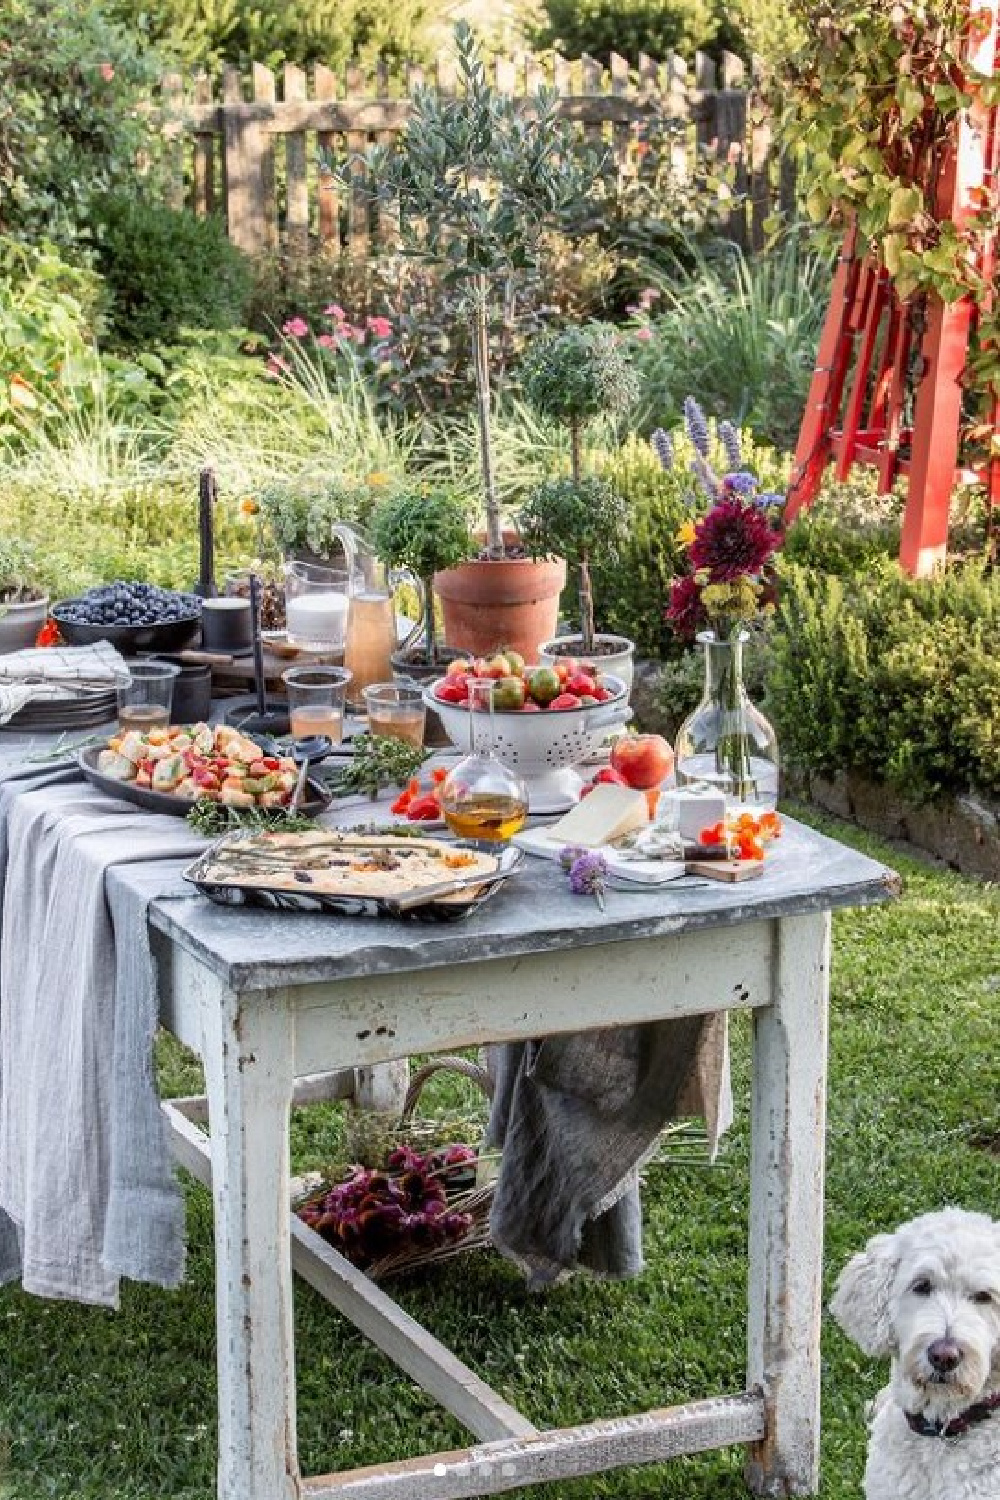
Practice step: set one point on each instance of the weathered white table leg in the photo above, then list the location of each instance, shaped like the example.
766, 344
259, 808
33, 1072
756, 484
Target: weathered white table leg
786, 1208
248, 1053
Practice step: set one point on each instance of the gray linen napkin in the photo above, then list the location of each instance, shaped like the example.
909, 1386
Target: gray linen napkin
83, 1156
575, 1117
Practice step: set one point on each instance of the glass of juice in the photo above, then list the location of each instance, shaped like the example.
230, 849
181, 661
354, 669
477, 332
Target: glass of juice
316, 701
145, 694
397, 710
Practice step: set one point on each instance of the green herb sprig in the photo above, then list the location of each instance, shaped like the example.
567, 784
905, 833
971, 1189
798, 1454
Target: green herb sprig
378, 761
213, 819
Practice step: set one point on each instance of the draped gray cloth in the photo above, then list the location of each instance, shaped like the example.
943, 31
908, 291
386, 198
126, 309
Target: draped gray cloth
576, 1116
87, 1192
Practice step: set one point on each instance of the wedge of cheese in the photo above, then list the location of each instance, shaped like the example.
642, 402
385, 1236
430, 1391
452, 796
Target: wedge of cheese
607, 813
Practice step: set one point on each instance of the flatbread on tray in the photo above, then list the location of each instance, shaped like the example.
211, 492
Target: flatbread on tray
324, 862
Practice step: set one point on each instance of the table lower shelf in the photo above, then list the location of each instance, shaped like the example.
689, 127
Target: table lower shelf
513, 1452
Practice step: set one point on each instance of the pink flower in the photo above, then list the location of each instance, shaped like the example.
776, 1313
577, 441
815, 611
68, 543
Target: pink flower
326, 341
645, 333
335, 311
380, 327
296, 328
107, 72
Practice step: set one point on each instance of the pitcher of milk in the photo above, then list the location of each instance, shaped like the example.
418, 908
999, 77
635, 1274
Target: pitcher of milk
316, 604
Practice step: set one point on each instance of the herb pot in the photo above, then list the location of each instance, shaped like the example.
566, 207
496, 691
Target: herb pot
510, 602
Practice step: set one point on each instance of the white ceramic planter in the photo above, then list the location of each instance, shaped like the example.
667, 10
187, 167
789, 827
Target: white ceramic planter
617, 663
20, 624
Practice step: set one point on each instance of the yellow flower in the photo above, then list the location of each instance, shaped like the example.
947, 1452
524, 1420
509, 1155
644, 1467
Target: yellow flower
684, 535
378, 478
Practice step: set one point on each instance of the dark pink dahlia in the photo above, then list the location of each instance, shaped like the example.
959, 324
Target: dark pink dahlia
685, 612
732, 541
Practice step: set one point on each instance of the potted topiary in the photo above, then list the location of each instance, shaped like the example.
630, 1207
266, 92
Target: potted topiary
23, 602
427, 531
579, 519
574, 377
476, 180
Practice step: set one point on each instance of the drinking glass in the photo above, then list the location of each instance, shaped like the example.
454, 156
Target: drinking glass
316, 701
396, 710
145, 694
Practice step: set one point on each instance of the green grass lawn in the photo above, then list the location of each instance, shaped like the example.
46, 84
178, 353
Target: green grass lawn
122, 1406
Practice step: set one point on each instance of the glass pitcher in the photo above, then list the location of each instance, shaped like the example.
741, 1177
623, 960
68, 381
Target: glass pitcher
316, 605
372, 631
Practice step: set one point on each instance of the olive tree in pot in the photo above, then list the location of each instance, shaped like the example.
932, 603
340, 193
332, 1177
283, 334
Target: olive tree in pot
574, 377
578, 519
425, 530
476, 180
23, 602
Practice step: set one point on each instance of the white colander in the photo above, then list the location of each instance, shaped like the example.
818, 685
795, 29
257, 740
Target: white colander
543, 748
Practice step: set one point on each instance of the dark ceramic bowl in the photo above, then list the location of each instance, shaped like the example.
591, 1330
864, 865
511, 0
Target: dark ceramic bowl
174, 635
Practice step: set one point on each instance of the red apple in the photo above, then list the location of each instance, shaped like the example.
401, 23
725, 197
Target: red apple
565, 700
581, 684
645, 760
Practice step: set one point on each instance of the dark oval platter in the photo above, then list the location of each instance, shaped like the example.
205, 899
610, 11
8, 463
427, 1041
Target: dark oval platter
317, 800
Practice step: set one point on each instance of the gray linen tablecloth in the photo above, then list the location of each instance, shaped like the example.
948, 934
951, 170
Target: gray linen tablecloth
87, 1193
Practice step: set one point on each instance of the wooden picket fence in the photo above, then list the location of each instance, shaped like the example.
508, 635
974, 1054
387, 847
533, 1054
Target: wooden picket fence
227, 157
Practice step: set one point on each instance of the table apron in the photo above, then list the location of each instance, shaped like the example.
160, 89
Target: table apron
358, 1022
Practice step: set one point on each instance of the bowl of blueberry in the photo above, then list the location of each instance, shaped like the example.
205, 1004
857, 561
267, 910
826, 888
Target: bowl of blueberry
132, 616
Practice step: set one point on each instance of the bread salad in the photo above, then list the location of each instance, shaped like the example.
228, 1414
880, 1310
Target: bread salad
195, 760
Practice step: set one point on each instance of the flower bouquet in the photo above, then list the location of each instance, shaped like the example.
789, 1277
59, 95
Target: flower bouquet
728, 584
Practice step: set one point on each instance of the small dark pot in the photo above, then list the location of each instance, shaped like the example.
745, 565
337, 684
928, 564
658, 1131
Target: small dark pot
192, 698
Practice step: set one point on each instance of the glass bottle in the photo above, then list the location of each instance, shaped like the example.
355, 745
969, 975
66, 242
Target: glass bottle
726, 742
482, 798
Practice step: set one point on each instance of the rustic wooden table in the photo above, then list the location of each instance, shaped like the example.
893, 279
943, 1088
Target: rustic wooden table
280, 1006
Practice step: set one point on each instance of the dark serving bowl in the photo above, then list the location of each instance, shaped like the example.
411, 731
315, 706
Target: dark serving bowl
173, 635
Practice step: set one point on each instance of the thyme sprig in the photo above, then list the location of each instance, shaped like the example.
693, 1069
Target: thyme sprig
378, 761
213, 819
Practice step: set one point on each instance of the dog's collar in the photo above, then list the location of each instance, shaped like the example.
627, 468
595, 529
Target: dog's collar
979, 1411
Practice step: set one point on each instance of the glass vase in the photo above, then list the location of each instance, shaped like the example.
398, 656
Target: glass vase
482, 798
727, 743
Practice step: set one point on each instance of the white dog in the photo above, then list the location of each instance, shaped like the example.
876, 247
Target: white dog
929, 1296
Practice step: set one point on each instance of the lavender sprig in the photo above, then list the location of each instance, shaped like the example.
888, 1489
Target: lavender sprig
706, 477
696, 426
730, 440
663, 447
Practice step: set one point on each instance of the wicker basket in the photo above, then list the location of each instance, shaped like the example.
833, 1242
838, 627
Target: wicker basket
475, 1202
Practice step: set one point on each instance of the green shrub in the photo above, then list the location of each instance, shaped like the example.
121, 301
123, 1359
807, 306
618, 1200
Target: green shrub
278, 31
895, 677
73, 86
850, 527
166, 270
628, 27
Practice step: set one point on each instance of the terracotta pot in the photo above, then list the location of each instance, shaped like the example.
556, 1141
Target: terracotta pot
510, 602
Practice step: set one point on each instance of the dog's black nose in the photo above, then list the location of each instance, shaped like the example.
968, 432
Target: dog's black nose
944, 1356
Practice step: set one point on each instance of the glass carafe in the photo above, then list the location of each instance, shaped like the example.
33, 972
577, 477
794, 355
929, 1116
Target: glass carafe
727, 743
481, 798
372, 634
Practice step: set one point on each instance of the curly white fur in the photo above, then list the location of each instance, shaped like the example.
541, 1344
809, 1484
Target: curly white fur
929, 1296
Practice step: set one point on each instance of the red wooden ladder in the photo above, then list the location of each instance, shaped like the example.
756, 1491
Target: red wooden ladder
868, 340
